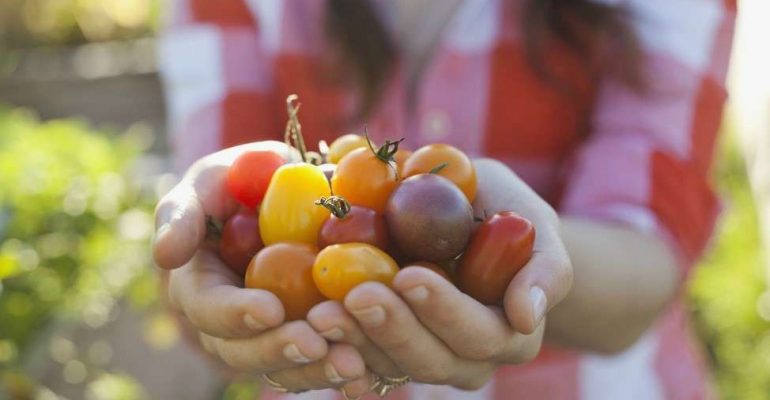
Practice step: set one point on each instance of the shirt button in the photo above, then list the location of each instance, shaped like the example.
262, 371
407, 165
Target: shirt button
435, 125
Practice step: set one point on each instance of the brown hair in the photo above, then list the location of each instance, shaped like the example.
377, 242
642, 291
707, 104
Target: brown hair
591, 30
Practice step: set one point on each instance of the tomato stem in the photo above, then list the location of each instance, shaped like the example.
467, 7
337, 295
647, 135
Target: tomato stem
293, 132
438, 168
336, 204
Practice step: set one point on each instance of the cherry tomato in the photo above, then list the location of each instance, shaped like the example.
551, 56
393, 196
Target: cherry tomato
499, 248
457, 167
400, 159
344, 145
433, 267
240, 241
341, 267
288, 212
365, 179
286, 270
249, 176
360, 224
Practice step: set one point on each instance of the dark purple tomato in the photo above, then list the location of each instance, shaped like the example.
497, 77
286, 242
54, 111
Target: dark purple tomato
429, 218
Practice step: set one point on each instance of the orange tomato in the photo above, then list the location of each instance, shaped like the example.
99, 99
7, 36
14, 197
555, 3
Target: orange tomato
364, 179
344, 145
341, 267
458, 167
400, 158
286, 270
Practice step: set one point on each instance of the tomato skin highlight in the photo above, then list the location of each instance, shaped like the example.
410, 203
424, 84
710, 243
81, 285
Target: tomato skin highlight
240, 241
341, 267
364, 180
343, 145
499, 248
459, 168
288, 212
360, 225
286, 270
249, 176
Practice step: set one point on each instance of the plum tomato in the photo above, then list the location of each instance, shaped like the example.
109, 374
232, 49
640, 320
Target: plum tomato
366, 178
286, 270
341, 267
240, 241
429, 218
344, 145
499, 248
249, 176
356, 224
288, 212
447, 161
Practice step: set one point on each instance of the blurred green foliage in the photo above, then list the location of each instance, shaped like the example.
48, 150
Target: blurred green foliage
25, 23
732, 315
74, 233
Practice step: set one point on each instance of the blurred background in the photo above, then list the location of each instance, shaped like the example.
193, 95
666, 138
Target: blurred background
83, 159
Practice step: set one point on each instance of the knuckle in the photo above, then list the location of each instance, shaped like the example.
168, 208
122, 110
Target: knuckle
482, 350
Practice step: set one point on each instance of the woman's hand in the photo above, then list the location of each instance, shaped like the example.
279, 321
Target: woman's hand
427, 329
245, 328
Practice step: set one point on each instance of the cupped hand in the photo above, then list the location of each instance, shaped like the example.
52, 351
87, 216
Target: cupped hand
424, 327
245, 328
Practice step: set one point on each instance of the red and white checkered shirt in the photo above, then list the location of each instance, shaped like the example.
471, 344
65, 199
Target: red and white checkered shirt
611, 153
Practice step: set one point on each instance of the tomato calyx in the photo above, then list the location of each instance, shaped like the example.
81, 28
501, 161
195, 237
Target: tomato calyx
336, 204
385, 153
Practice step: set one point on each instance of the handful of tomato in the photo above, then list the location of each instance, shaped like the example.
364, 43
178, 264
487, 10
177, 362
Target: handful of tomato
307, 237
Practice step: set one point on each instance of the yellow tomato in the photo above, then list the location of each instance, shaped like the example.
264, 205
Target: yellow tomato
288, 212
344, 145
341, 267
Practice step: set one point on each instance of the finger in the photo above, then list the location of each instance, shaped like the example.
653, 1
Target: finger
391, 325
541, 284
469, 328
180, 216
335, 324
290, 345
206, 292
357, 388
342, 364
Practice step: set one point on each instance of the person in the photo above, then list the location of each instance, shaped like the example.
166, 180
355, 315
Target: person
594, 119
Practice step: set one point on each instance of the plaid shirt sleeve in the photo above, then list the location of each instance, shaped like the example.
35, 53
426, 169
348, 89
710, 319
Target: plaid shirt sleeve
648, 161
216, 64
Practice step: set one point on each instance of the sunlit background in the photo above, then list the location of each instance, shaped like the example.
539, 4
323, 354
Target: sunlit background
83, 159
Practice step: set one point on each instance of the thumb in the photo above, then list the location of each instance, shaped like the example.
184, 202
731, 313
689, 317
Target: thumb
180, 228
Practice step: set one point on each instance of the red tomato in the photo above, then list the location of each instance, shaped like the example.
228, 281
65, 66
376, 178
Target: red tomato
500, 247
249, 176
360, 224
240, 241
286, 270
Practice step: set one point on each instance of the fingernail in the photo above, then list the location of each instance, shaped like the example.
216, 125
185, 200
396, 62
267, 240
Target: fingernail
347, 397
333, 334
252, 323
539, 303
291, 351
371, 317
332, 375
417, 295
